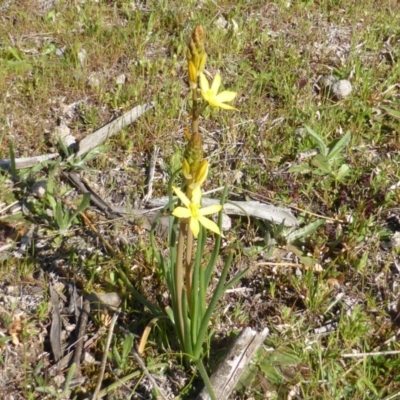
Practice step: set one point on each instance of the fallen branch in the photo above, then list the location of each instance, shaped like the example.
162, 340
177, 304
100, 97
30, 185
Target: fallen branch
97, 138
234, 364
277, 215
89, 142
21, 163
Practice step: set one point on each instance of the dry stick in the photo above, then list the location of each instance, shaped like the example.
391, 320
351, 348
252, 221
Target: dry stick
372, 354
362, 360
277, 264
9, 206
98, 137
152, 168
147, 373
104, 359
28, 162
264, 198
83, 321
97, 233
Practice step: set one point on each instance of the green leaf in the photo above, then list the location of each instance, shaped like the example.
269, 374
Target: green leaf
339, 146
323, 149
82, 206
5, 339
248, 377
342, 172
70, 376
116, 356
14, 53
302, 168
60, 216
128, 344
391, 112
322, 163
305, 231
270, 372
52, 201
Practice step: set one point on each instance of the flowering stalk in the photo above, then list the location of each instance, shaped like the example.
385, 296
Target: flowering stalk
187, 274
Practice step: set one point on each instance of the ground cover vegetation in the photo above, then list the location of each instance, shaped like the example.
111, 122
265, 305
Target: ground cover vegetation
315, 131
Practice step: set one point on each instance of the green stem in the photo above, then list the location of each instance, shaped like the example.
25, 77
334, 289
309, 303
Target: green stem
206, 379
179, 280
188, 265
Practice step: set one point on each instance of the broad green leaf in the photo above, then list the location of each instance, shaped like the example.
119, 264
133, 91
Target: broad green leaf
342, 172
60, 216
70, 376
323, 149
322, 163
302, 168
14, 53
84, 204
248, 377
391, 112
339, 146
271, 373
305, 231
128, 344
307, 261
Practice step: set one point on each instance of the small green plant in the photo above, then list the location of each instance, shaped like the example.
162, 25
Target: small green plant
64, 217
120, 358
327, 161
66, 392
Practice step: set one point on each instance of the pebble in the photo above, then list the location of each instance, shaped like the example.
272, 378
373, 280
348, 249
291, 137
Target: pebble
341, 89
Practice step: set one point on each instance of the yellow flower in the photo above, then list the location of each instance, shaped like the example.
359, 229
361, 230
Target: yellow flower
199, 176
192, 75
211, 95
195, 213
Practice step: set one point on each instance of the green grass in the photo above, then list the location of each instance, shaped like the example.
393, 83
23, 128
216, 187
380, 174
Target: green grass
273, 60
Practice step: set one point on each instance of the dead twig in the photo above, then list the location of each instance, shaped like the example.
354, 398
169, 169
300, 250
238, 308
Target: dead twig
104, 359
152, 168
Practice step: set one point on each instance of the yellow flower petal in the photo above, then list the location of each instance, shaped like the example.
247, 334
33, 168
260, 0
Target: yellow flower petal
192, 73
211, 95
210, 225
202, 62
225, 96
182, 196
195, 226
204, 85
201, 175
186, 169
181, 212
196, 195
195, 213
216, 208
216, 83
225, 106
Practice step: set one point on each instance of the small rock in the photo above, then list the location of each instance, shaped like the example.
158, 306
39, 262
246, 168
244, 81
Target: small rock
63, 133
120, 79
104, 300
326, 81
94, 80
88, 359
39, 189
395, 241
341, 89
